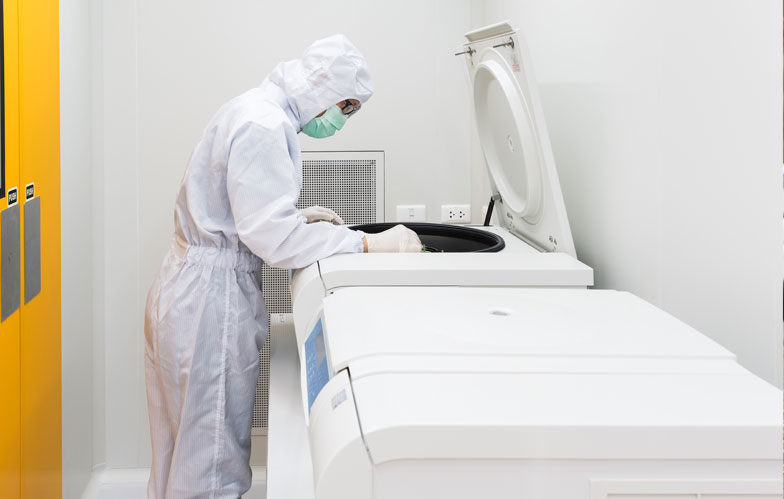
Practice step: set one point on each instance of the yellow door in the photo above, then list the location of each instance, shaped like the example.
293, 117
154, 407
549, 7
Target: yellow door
30, 380
39, 194
10, 427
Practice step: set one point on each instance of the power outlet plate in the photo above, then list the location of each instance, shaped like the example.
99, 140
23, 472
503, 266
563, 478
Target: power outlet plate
456, 213
411, 213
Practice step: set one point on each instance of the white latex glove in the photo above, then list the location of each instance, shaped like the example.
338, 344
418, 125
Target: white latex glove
398, 239
319, 214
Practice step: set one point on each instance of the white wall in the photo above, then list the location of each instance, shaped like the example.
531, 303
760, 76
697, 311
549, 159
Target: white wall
665, 119
77, 251
165, 69
660, 113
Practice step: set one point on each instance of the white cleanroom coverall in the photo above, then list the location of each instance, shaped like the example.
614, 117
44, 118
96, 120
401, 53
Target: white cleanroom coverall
205, 318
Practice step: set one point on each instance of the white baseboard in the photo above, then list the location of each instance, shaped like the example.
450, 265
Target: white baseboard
132, 484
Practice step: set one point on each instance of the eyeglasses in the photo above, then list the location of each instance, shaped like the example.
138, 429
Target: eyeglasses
350, 108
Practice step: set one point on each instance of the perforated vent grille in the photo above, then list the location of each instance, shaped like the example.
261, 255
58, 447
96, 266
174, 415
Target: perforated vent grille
347, 187
349, 183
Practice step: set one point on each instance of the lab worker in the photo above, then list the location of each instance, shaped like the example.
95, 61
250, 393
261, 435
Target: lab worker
205, 318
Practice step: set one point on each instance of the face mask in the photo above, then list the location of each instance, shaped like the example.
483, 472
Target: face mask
326, 125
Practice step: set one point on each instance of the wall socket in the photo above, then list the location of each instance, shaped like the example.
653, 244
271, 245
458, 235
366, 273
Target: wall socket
411, 213
456, 213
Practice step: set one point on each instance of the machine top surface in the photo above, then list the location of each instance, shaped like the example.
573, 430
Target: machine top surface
500, 326
518, 264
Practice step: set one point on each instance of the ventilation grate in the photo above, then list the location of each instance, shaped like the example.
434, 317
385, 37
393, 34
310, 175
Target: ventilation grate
349, 183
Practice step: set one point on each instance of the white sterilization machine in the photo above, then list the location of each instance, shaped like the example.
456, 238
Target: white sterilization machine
500, 374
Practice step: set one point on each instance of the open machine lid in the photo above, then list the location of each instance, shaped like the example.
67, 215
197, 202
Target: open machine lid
514, 139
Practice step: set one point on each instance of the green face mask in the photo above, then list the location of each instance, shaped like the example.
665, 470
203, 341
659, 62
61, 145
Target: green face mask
326, 125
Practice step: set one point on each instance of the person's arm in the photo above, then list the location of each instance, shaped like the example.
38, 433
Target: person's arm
263, 192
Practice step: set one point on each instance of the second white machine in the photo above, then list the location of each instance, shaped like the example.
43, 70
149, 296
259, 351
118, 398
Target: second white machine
467, 375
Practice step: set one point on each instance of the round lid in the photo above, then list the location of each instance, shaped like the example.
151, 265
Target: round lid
508, 136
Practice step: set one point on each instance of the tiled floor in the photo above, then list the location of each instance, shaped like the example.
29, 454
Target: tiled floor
132, 484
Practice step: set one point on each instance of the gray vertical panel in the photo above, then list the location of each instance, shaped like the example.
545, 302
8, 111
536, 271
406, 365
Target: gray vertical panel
32, 248
10, 267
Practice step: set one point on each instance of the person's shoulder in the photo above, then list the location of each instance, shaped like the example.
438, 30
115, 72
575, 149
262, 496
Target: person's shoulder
253, 110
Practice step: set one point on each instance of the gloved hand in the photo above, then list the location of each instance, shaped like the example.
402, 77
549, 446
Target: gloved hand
319, 214
398, 239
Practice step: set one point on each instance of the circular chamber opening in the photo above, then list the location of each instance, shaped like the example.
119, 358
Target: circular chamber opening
442, 238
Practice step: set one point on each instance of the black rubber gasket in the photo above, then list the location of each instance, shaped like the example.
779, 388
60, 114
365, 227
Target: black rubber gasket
443, 237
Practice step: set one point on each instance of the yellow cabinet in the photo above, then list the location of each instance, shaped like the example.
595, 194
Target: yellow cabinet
30, 365
10, 373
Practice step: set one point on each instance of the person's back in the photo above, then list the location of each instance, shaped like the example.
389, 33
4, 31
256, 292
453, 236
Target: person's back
207, 220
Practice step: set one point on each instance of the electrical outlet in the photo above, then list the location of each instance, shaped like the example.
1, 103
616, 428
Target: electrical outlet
456, 213
411, 213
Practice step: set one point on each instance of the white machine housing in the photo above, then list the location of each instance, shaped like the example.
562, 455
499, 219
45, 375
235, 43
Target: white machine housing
467, 392
500, 374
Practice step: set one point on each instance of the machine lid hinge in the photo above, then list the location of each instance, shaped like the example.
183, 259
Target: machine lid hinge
470, 51
509, 43
490, 206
